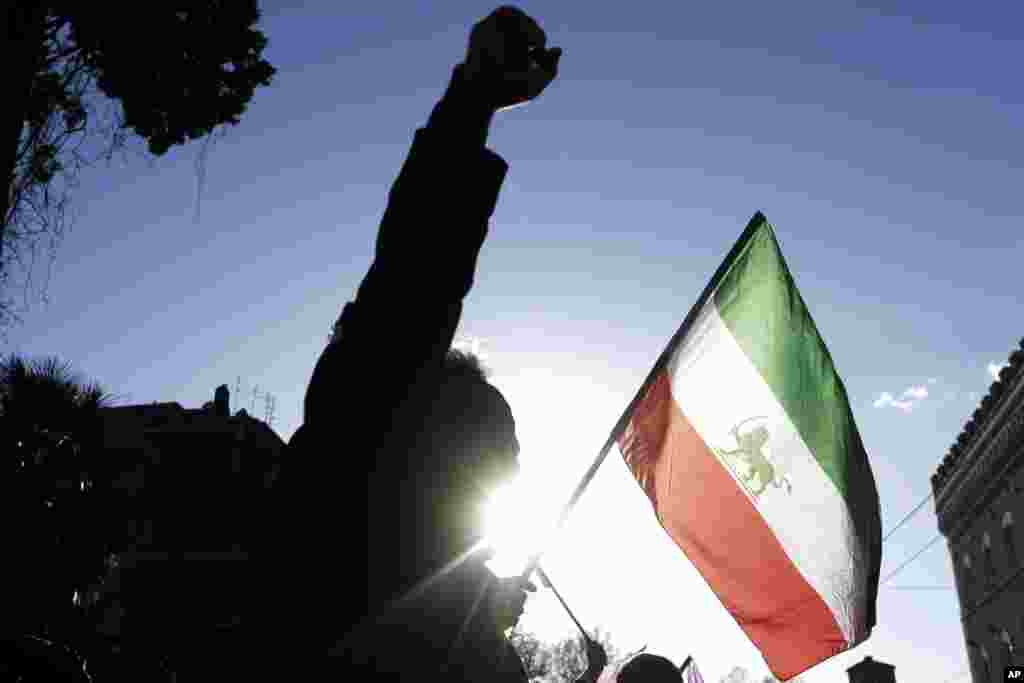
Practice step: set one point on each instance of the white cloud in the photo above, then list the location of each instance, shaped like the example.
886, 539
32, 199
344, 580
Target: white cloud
883, 400
886, 399
994, 369
907, 401
918, 392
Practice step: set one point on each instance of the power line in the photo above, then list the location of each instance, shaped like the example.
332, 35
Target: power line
910, 559
915, 555
908, 516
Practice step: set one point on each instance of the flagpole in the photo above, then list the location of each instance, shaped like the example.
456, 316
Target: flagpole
755, 222
547, 583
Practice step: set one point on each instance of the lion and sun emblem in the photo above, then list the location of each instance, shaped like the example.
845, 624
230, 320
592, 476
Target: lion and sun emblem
755, 469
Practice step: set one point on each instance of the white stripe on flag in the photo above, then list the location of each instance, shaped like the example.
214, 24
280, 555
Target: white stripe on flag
716, 387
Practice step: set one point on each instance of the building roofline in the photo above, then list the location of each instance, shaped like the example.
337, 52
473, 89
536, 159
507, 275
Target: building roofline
991, 406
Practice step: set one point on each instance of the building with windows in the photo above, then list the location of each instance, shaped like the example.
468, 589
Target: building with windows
181, 496
979, 500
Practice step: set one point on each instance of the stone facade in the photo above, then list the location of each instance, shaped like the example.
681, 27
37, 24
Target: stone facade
979, 499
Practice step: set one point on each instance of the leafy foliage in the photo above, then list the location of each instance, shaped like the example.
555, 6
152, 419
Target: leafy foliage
200, 68
564, 660
737, 675
49, 429
177, 70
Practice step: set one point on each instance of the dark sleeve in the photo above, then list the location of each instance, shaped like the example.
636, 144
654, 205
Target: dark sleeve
406, 310
514, 670
505, 666
398, 329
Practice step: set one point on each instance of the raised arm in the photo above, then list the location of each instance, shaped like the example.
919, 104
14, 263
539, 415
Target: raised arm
403, 319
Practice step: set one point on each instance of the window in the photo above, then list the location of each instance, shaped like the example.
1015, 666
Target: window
990, 569
1008, 641
966, 575
1008, 540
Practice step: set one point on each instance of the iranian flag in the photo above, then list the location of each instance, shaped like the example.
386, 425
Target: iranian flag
743, 440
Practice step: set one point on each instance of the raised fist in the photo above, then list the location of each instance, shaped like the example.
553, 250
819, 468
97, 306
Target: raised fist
507, 63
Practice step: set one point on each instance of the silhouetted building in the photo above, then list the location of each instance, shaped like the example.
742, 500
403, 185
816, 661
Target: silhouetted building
870, 670
979, 504
182, 492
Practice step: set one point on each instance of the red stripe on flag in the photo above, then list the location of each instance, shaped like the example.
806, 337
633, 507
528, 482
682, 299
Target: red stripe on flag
713, 522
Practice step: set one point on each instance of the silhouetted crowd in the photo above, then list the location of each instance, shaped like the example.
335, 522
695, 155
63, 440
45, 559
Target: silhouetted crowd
372, 548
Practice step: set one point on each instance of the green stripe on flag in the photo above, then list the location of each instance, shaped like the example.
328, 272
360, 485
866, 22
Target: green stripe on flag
761, 306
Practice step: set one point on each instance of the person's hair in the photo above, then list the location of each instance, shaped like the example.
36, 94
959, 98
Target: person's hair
463, 365
648, 668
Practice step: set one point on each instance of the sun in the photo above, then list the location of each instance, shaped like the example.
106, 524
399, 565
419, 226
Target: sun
519, 520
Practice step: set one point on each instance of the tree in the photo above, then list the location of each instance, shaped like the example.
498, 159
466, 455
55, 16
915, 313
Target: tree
560, 662
49, 430
737, 675
183, 69
534, 653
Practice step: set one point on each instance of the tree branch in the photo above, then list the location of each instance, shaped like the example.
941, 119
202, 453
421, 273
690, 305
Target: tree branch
65, 53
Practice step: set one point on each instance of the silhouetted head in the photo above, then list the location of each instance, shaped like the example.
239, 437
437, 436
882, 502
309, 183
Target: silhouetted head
476, 421
648, 668
472, 433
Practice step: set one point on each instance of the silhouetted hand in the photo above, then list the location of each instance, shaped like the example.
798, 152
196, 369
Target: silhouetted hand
507, 63
597, 660
509, 600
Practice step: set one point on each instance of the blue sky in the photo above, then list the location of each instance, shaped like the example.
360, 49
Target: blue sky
884, 145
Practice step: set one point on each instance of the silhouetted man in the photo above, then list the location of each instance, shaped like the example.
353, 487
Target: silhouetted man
401, 440
648, 668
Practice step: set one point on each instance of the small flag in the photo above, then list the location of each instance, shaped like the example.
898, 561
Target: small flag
690, 672
744, 442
